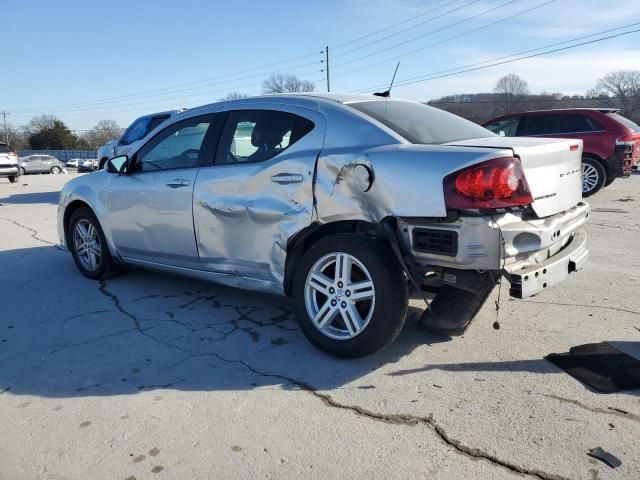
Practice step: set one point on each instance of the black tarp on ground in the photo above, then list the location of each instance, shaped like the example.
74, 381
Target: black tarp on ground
600, 365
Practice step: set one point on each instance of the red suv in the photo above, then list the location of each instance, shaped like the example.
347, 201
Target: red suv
611, 141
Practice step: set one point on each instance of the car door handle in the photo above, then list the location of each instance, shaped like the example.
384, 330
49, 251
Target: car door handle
285, 178
177, 182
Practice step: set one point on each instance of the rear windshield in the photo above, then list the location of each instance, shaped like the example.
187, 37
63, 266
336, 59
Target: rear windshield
625, 121
419, 123
4, 148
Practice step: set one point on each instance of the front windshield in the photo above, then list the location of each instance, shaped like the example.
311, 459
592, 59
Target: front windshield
419, 123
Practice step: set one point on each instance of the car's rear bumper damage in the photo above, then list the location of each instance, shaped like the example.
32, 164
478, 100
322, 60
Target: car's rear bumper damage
532, 254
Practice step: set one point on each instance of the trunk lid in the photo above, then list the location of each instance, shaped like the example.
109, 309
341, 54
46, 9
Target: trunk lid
553, 168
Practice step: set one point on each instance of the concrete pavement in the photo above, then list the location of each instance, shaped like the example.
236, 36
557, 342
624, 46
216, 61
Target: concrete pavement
154, 376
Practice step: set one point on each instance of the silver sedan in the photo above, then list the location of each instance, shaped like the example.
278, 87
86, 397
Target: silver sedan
346, 203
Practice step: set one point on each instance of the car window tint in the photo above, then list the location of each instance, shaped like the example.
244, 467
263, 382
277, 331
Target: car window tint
625, 122
177, 146
4, 148
259, 135
155, 121
507, 127
547, 125
419, 123
582, 123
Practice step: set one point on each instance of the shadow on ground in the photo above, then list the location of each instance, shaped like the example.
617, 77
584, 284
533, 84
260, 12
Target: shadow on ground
31, 198
62, 335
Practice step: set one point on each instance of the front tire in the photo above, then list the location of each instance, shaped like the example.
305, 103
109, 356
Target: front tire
14, 178
350, 295
594, 176
88, 245
22, 171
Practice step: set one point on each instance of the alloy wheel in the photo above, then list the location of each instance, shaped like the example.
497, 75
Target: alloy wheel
339, 296
55, 170
86, 242
590, 177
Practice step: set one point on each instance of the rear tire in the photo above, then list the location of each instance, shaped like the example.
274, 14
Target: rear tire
55, 170
594, 176
361, 315
14, 178
88, 245
609, 181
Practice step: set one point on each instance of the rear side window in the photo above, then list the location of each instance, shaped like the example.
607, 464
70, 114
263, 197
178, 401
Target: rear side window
155, 121
420, 123
582, 123
547, 125
625, 121
251, 136
507, 127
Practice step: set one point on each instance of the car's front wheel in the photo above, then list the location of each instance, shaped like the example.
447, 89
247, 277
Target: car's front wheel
88, 245
14, 178
350, 295
22, 171
594, 176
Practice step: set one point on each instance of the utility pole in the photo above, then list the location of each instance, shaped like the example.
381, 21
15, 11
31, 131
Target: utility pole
326, 59
6, 132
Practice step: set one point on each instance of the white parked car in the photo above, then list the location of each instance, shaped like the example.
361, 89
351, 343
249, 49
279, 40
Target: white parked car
9, 163
88, 165
74, 162
346, 203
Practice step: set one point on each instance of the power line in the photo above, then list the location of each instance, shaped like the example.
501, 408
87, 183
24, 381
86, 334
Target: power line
389, 27
129, 96
431, 32
431, 19
466, 68
440, 42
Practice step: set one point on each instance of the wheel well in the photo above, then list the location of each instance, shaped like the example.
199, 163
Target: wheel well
301, 241
72, 207
599, 160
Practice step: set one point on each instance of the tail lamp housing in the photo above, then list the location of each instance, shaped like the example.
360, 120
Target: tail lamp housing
496, 183
628, 139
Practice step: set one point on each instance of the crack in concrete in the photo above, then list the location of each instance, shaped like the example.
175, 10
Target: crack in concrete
607, 411
34, 233
327, 400
161, 386
116, 302
604, 307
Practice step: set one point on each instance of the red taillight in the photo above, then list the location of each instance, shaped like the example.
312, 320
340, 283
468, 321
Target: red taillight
497, 183
630, 138
574, 148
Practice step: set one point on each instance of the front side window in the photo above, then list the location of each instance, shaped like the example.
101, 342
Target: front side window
251, 136
420, 123
178, 146
507, 127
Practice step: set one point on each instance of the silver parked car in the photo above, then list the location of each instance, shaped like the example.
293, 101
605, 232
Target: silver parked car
132, 136
41, 164
346, 203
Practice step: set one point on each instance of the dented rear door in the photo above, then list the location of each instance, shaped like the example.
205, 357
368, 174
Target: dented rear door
245, 209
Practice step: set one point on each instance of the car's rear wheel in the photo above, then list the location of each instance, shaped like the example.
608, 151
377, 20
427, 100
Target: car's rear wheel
88, 245
55, 170
350, 295
594, 176
14, 178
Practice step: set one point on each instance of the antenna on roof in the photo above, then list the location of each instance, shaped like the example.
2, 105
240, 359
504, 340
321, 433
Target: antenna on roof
387, 93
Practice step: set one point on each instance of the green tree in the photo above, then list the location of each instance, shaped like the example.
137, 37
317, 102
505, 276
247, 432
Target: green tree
49, 133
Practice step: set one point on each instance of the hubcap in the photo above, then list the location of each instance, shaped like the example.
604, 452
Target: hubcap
590, 177
55, 170
340, 296
86, 242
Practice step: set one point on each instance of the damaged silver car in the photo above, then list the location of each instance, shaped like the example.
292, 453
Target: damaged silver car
348, 204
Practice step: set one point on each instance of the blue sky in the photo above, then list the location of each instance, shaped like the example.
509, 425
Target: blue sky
84, 61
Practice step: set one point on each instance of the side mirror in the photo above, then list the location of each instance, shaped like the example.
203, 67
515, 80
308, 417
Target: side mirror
117, 164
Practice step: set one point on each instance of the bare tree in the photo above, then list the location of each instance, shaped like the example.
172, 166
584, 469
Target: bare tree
104, 131
511, 88
234, 96
286, 83
17, 137
624, 85
42, 122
